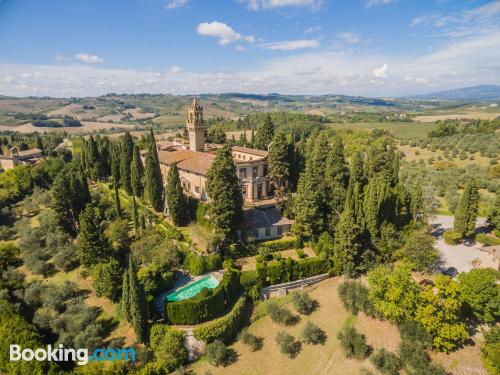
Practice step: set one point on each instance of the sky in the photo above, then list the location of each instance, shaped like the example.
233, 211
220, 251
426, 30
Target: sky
379, 48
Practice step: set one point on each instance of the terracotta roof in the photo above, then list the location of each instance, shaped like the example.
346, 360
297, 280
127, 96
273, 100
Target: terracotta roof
261, 218
164, 144
28, 153
193, 161
251, 151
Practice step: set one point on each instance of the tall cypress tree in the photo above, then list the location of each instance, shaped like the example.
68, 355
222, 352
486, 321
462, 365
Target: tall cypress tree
347, 244
357, 170
279, 164
125, 299
135, 216
223, 189
466, 213
265, 133
153, 183
137, 173
125, 161
104, 153
176, 201
93, 245
137, 304
118, 205
115, 162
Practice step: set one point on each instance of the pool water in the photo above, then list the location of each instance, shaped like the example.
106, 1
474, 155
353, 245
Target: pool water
193, 289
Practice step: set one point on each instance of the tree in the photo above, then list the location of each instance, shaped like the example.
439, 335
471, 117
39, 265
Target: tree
279, 165
490, 353
118, 205
127, 152
223, 189
439, 313
337, 178
135, 216
137, 173
287, 344
118, 233
133, 303
303, 303
481, 293
105, 279
353, 343
168, 345
420, 252
218, 354
466, 213
265, 133
347, 244
312, 334
93, 246
393, 292
153, 182
357, 170
176, 201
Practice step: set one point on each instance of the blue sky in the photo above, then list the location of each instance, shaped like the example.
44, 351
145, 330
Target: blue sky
357, 47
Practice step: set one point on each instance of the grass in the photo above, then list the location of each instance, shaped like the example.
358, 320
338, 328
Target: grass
199, 235
417, 153
401, 130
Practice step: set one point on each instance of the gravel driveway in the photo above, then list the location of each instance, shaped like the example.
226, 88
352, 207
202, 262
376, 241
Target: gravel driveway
459, 256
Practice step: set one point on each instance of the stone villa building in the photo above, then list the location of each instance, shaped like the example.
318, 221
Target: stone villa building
15, 157
195, 158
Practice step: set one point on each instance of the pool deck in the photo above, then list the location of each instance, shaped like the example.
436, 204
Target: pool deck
183, 280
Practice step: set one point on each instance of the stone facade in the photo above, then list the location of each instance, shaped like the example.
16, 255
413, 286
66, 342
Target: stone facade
15, 157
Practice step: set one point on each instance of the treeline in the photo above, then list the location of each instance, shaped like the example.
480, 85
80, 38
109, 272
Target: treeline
464, 126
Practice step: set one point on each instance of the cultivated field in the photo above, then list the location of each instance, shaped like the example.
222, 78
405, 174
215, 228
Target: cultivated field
471, 115
401, 130
87, 127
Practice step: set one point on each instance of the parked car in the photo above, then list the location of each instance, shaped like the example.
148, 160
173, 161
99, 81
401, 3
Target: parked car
469, 242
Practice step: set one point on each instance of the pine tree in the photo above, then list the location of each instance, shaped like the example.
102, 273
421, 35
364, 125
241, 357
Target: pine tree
137, 173
337, 179
153, 183
118, 205
466, 213
93, 245
265, 133
223, 189
176, 201
137, 305
347, 244
125, 161
279, 164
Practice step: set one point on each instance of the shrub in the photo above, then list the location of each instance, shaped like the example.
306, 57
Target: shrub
282, 244
451, 237
168, 345
487, 240
301, 253
254, 342
219, 355
226, 328
303, 303
312, 334
413, 331
354, 295
155, 279
491, 351
353, 343
288, 345
198, 265
249, 278
386, 362
280, 314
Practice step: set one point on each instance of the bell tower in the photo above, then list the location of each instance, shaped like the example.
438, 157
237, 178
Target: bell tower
196, 127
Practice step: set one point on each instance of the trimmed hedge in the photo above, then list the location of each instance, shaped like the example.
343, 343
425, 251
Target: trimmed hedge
487, 240
205, 306
200, 264
268, 247
227, 327
286, 270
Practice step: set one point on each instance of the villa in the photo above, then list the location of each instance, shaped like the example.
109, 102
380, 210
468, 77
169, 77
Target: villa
15, 157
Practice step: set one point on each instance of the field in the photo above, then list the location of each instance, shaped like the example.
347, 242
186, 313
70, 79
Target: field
401, 130
87, 127
417, 153
470, 115
328, 359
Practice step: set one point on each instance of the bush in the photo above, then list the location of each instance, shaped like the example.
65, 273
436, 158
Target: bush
249, 278
491, 350
288, 345
312, 334
303, 303
416, 360
218, 355
168, 346
354, 295
301, 253
386, 362
413, 331
107, 279
487, 240
353, 343
280, 314
226, 328
451, 237
254, 342
155, 279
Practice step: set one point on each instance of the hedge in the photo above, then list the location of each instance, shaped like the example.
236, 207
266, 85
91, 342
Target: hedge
200, 264
487, 240
226, 328
205, 306
451, 237
273, 246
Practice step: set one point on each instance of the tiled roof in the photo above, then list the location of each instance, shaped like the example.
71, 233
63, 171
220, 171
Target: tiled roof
251, 151
261, 218
193, 161
28, 153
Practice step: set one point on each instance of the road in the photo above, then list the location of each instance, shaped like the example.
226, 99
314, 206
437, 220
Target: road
460, 256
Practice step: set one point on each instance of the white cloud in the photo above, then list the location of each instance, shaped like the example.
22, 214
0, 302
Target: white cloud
173, 4
348, 37
381, 72
250, 39
312, 29
60, 57
291, 45
90, 59
240, 48
176, 69
273, 4
370, 3
219, 30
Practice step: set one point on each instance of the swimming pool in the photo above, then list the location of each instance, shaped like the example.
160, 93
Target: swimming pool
193, 289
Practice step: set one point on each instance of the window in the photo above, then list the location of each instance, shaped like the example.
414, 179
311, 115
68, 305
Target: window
197, 190
256, 233
259, 190
254, 172
244, 191
243, 173
279, 230
268, 231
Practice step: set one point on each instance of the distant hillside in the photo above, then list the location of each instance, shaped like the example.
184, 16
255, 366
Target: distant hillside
481, 92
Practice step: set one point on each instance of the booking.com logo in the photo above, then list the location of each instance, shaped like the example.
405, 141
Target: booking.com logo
62, 354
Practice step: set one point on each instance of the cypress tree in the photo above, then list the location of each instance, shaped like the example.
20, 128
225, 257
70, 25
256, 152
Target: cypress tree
137, 173
38, 143
125, 299
252, 139
125, 162
354, 203
265, 133
223, 189
279, 164
115, 163
347, 244
135, 216
137, 304
153, 183
118, 205
176, 201
93, 245
466, 213
357, 170
243, 139
105, 157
